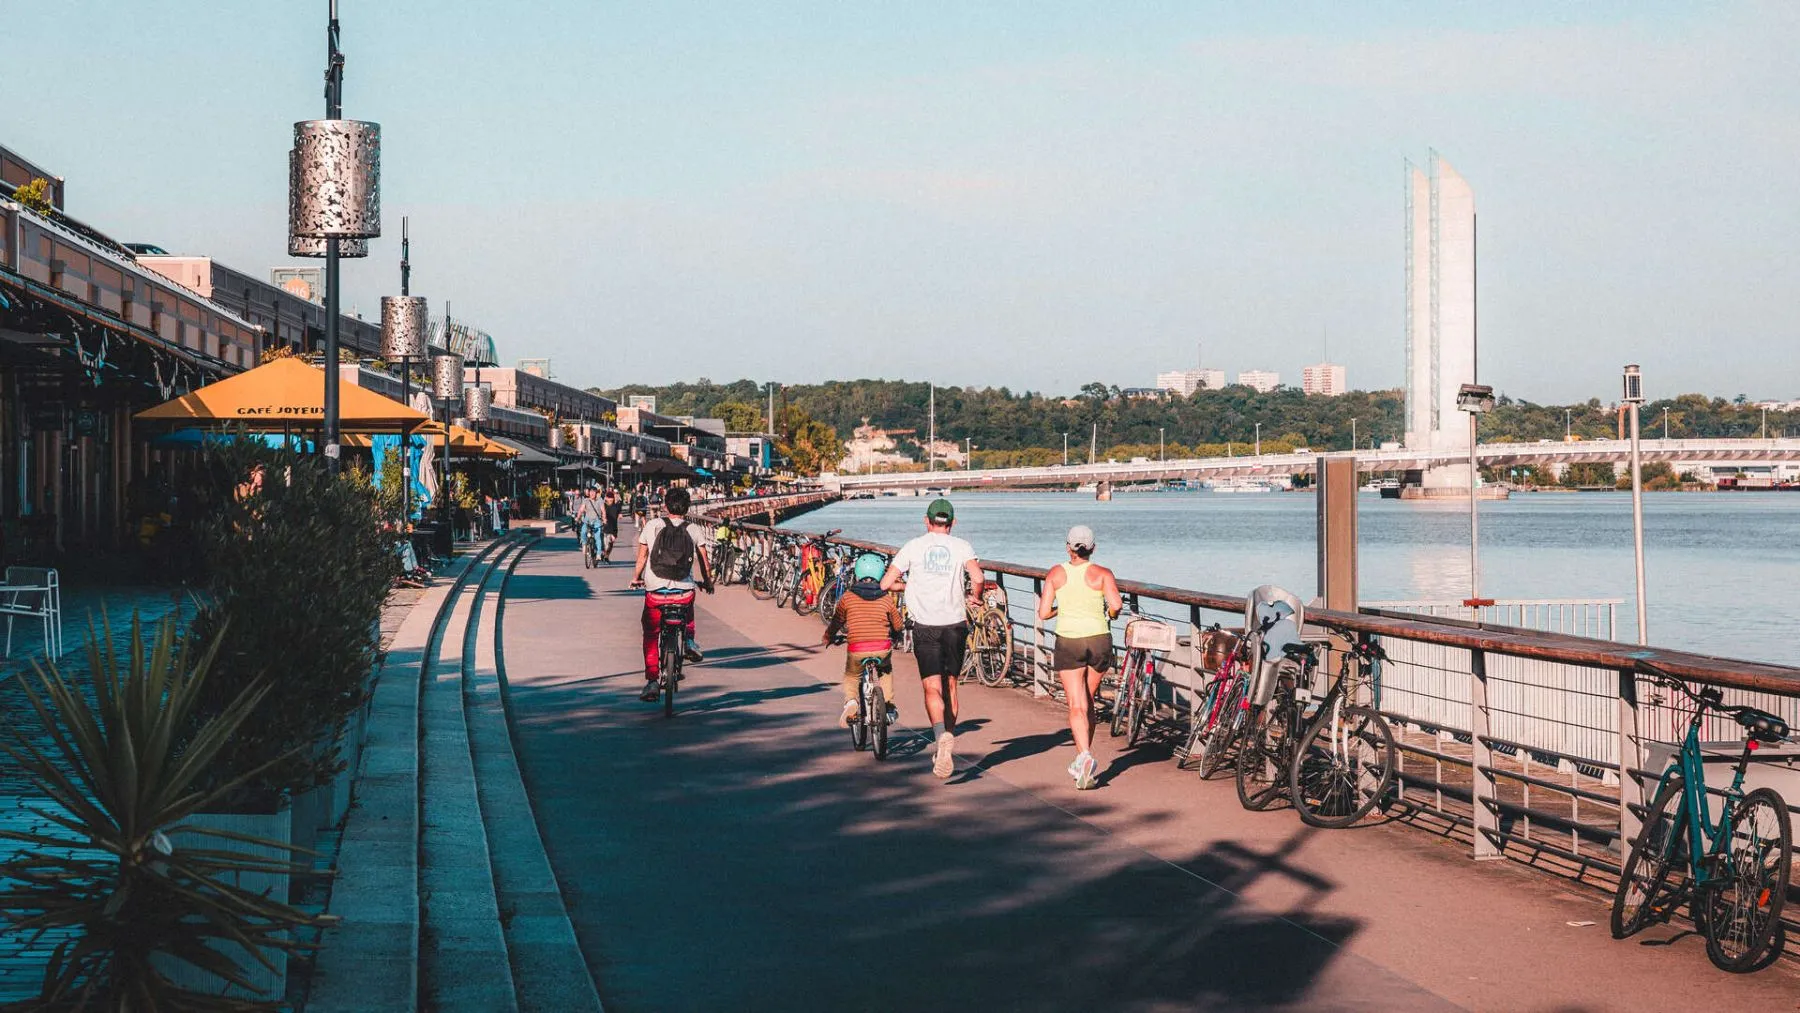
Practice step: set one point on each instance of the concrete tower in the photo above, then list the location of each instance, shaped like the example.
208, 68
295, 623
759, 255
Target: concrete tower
1440, 316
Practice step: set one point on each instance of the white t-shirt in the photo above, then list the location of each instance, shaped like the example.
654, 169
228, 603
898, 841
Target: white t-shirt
697, 532
934, 565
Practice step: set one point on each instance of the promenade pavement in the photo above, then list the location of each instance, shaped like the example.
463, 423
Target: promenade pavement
741, 856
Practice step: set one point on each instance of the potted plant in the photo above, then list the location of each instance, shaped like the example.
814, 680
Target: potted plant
159, 913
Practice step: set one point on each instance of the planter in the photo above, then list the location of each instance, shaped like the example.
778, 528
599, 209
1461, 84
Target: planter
272, 826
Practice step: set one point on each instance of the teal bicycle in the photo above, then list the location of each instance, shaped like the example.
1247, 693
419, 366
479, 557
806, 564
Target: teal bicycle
1733, 871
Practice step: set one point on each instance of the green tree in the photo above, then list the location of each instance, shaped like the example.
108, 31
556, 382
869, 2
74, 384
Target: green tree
35, 196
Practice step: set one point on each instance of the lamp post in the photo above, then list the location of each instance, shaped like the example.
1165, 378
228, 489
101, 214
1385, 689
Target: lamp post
1665, 425
1259, 439
1352, 434
446, 389
1568, 425
1475, 399
403, 341
1634, 396
1161, 455
1065, 450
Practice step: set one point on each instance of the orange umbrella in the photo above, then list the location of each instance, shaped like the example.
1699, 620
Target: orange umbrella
281, 395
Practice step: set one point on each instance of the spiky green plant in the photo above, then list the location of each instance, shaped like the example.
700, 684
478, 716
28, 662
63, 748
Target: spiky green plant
120, 775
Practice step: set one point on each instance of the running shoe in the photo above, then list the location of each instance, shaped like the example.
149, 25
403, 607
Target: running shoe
944, 764
849, 714
690, 649
652, 690
1085, 770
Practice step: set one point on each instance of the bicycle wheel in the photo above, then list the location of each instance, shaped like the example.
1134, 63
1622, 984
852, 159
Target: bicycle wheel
875, 706
1262, 756
859, 726
992, 650
828, 600
784, 587
1200, 717
1224, 731
1743, 906
1344, 766
1658, 855
587, 553
762, 579
671, 674
806, 601
1127, 687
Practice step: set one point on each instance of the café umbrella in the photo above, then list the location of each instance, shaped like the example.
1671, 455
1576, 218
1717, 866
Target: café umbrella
282, 395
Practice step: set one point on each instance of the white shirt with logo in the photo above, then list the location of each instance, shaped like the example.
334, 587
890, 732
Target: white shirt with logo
934, 565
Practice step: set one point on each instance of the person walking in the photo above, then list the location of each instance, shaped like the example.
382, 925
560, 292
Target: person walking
942, 577
1083, 596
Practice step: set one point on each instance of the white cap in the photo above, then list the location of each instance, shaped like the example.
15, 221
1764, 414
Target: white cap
1081, 536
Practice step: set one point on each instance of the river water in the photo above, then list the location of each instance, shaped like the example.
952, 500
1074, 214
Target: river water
1723, 570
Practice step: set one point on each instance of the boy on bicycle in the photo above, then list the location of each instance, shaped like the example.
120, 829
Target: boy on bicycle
669, 552
869, 620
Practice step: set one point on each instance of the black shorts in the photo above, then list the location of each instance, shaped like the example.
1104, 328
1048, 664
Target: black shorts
939, 649
1093, 652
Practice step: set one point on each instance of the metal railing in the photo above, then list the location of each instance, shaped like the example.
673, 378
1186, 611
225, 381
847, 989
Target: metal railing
1528, 744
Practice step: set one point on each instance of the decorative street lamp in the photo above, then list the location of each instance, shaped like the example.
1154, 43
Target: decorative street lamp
403, 341
1634, 396
446, 388
334, 195
1474, 398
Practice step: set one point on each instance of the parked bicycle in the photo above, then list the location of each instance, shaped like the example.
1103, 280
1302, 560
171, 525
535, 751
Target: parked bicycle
988, 654
1147, 641
1346, 763
1731, 871
1269, 747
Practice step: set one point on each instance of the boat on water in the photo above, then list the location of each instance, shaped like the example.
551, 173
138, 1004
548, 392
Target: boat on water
1239, 485
1389, 488
1088, 487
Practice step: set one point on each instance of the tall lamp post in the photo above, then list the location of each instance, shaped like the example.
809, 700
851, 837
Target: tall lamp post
1474, 398
334, 197
1259, 439
1634, 396
1065, 450
446, 388
1161, 455
403, 341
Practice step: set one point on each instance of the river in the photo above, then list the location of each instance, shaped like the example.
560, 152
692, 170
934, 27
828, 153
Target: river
1723, 569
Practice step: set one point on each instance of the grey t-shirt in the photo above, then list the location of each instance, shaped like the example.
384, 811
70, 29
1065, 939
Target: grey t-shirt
701, 538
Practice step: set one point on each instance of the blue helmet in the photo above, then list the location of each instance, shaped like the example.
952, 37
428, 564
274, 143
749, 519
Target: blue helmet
869, 566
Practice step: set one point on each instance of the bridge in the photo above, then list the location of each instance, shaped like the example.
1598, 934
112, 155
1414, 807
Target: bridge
1710, 452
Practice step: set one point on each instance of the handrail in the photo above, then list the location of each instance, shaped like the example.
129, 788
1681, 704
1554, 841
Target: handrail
1560, 647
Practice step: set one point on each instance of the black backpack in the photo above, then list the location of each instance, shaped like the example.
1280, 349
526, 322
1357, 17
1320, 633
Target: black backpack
672, 556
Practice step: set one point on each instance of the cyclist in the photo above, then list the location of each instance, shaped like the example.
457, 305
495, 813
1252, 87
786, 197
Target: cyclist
940, 570
668, 550
868, 618
1084, 598
640, 505
610, 508
588, 518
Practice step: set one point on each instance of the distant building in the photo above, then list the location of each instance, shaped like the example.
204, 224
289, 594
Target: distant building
1260, 379
1143, 393
1325, 378
1186, 381
1440, 317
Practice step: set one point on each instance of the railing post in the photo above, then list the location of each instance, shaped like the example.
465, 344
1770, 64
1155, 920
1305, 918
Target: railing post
1482, 785
1631, 790
1037, 640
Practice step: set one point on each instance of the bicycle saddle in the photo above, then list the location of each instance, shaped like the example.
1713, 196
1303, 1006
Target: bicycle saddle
1762, 726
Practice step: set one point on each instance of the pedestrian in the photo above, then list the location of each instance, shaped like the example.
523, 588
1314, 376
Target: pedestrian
1083, 596
941, 576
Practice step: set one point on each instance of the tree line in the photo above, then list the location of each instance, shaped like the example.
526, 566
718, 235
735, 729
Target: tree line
1028, 427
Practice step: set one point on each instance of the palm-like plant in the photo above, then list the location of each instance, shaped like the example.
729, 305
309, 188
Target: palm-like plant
120, 775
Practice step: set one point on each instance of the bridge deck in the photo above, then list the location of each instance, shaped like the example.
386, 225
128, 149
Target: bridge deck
742, 857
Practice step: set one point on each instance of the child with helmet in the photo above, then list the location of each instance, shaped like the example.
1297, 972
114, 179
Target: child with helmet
869, 620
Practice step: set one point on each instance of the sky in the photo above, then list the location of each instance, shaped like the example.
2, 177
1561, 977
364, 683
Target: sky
1031, 195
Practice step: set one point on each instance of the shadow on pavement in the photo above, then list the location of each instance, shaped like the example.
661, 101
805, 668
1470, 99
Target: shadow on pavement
524, 588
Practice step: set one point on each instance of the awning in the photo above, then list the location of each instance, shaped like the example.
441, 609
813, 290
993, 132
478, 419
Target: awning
281, 395
662, 466
527, 453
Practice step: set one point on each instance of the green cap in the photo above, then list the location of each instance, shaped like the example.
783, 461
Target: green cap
940, 510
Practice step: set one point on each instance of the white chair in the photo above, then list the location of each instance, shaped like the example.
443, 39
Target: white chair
34, 593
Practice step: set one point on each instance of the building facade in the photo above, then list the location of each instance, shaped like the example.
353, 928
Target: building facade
1260, 379
1186, 381
1440, 314
288, 316
1326, 378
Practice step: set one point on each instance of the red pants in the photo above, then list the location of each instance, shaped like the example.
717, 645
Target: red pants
653, 603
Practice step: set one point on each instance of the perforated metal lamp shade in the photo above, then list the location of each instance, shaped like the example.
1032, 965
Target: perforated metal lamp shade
1634, 385
447, 377
335, 182
403, 327
306, 246
606, 449
478, 403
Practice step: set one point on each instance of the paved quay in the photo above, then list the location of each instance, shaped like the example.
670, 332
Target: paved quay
741, 856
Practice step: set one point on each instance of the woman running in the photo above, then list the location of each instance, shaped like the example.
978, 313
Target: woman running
1084, 598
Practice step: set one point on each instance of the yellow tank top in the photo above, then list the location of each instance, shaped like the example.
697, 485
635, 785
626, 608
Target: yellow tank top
1080, 609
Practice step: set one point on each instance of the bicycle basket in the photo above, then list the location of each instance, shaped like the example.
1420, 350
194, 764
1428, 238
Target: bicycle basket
1149, 635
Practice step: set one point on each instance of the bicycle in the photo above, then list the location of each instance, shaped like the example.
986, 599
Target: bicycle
812, 574
1733, 872
1269, 748
988, 651
675, 617
1346, 763
870, 728
589, 557
838, 568
1222, 711
1135, 697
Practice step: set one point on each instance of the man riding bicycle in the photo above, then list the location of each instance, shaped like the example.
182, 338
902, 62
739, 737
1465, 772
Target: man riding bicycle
667, 552
588, 519
610, 508
866, 615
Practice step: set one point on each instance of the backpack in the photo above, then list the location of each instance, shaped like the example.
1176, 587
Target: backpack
672, 556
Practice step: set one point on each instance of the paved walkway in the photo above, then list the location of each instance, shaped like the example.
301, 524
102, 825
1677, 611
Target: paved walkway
740, 856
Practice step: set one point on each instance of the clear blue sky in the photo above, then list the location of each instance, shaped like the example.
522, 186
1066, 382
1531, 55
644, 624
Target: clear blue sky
1029, 194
